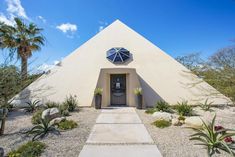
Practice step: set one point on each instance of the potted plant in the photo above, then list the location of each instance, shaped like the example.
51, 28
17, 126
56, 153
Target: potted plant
138, 93
98, 97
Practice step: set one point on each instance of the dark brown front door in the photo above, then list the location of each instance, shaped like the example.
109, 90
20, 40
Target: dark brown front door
118, 89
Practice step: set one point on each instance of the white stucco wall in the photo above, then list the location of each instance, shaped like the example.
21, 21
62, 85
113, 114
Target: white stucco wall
160, 76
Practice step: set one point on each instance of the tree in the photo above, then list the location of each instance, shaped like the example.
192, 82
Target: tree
23, 39
218, 70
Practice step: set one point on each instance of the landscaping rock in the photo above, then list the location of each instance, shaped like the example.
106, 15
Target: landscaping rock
194, 121
162, 115
51, 113
57, 120
175, 121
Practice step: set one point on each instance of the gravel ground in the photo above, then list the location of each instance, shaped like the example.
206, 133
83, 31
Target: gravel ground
174, 140
68, 144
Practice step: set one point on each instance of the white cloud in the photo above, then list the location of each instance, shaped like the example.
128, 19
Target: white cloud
7, 21
67, 27
102, 25
14, 9
46, 67
42, 19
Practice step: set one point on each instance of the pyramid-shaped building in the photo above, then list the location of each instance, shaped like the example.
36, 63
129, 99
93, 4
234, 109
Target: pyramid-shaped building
119, 60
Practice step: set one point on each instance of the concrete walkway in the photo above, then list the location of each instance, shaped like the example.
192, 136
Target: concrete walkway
119, 132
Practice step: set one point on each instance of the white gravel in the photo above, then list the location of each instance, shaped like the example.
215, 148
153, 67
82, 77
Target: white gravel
174, 140
69, 143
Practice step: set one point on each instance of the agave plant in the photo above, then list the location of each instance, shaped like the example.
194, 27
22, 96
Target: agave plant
32, 106
213, 139
206, 106
42, 130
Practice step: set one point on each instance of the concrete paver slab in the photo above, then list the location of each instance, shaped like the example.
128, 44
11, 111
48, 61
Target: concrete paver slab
118, 118
119, 133
118, 110
120, 151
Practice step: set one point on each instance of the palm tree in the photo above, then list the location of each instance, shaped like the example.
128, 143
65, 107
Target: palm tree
23, 39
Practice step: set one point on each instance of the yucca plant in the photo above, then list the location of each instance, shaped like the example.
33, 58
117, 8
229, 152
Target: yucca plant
71, 102
206, 106
43, 129
32, 106
213, 139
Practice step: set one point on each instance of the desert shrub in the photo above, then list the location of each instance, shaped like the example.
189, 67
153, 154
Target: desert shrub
30, 149
36, 118
71, 102
161, 123
51, 104
163, 106
42, 129
206, 106
214, 138
184, 109
150, 110
63, 108
181, 118
67, 125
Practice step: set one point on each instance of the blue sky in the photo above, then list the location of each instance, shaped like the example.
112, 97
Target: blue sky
178, 27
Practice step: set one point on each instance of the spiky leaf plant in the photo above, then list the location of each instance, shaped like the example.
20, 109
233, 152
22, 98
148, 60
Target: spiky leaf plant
32, 106
42, 130
184, 109
163, 106
214, 141
206, 106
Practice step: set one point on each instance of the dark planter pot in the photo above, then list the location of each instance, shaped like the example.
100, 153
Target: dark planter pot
98, 101
140, 101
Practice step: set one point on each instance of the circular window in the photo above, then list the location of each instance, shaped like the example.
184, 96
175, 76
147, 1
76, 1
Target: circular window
118, 55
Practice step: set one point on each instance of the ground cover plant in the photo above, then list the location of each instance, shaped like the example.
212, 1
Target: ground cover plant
161, 123
67, 125
29, 149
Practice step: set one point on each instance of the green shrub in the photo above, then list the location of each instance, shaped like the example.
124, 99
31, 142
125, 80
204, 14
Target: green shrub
71, 102
161, 123
64, 109
181, 118
30, 149
67, 125
36, 118
163, 106
206, 106
9, 106
51, 104
214, 139
184, 109
42, 129
150, 110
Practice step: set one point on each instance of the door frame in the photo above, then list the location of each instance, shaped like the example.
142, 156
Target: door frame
110, 88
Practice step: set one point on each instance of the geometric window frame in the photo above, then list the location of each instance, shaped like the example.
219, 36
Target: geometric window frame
118, 55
